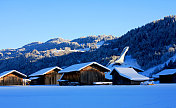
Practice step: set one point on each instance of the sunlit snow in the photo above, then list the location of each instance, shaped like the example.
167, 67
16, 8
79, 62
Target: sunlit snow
140, 96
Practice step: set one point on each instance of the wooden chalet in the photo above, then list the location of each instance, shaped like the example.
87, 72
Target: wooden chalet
167, 76
126, 76
47, 76
84, 73
12, 77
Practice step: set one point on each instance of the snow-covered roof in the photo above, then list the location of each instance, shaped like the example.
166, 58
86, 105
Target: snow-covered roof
134, 67
167, 72
11, 71
131, 74
33, 78
44, 71
108, 76
130, 66
78, 67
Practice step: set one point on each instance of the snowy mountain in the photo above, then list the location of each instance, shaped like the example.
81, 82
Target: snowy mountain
149, 46
25, 57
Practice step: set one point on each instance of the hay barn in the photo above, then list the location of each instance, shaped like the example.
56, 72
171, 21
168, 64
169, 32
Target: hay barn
47, 76
84, 73
12, 77
126, 76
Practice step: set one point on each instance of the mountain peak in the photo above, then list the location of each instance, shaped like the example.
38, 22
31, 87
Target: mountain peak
57, 40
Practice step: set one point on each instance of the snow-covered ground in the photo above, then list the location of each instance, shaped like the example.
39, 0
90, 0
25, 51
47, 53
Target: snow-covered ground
140, 96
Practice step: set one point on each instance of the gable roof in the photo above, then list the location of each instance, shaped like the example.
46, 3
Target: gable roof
136, 68
9, 72
78, 67
44, 71
167, 72
130, 73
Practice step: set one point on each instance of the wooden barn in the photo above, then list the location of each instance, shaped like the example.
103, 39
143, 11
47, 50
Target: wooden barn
12, 77
167, 76
84, 73
126, 76
47, 76
137, 69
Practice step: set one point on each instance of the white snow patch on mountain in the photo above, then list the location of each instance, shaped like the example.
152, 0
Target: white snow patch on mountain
99, 44
83, 50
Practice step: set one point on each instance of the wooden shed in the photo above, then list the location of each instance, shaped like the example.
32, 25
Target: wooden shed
167, 76
126, 76
47, 76
84, 73
12, 77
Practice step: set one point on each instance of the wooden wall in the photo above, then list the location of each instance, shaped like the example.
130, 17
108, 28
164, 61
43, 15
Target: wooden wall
52, 77
72, 76
87, 75
91, 74
167, 78
39, 81
11, 79
119, 80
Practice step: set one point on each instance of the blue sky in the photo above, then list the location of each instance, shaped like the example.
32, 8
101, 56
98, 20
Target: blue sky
26, 21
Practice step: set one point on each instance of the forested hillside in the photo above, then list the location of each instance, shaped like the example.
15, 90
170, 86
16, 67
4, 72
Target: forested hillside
151, 44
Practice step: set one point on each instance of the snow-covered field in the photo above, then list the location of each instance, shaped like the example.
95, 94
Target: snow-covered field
140, 96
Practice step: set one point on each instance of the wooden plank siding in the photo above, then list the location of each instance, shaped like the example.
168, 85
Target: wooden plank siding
72, 76
11, 79
87, 75
167, 78
50, 78
91, 74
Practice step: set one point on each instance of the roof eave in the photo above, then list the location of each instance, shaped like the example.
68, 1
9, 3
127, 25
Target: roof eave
45, 72
12, 72
96, 64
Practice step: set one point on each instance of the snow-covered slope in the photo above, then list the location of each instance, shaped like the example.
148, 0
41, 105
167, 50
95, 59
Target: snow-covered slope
129, 62
150, 71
